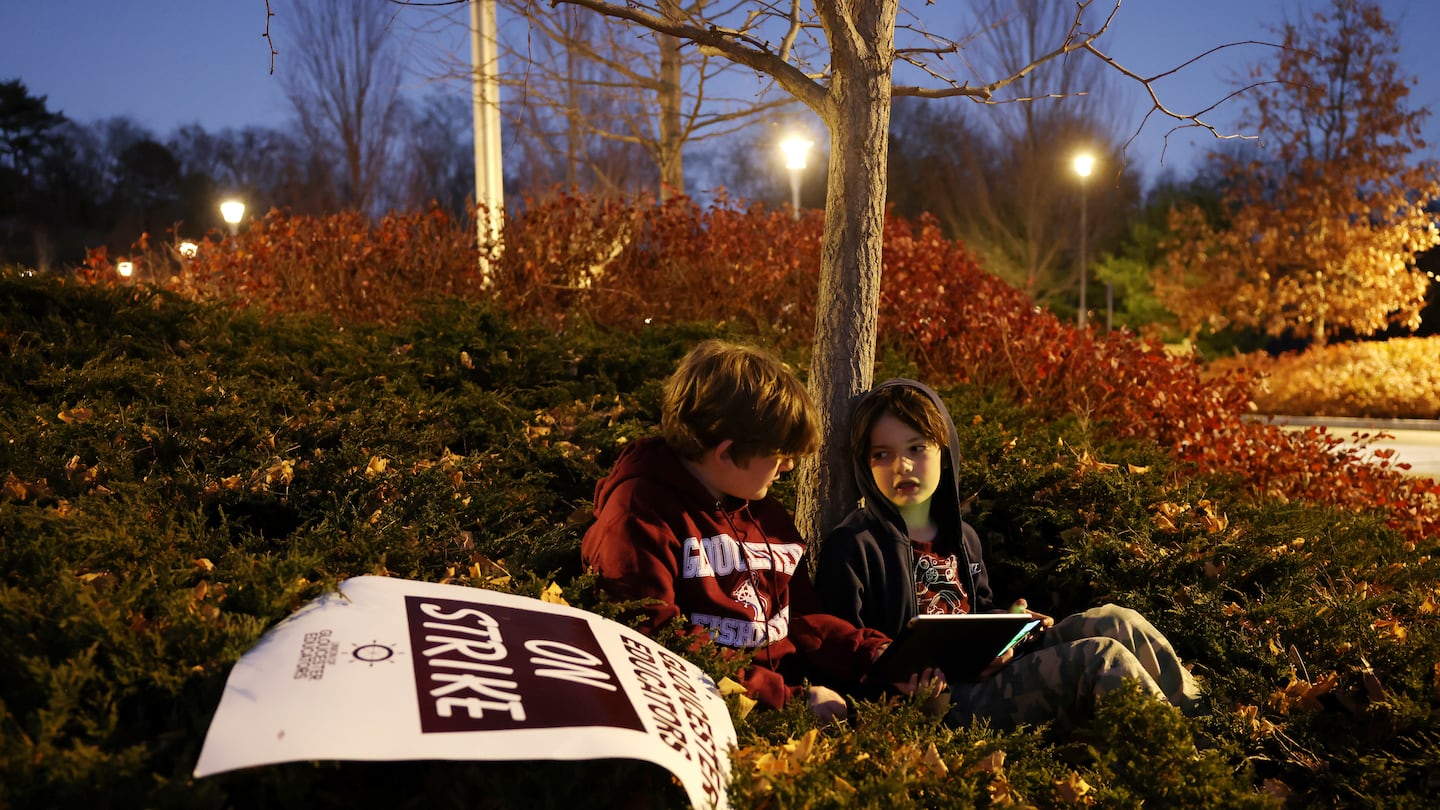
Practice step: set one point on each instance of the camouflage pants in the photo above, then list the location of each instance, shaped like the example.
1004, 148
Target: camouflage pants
1080, 660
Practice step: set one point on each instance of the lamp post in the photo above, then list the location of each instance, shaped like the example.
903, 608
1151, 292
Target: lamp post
485, 123
232, 211
1084, 164
796, 149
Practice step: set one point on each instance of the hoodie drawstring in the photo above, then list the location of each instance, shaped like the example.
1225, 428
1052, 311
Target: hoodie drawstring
750, 572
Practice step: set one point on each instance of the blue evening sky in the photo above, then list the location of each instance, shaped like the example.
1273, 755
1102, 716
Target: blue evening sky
170, 62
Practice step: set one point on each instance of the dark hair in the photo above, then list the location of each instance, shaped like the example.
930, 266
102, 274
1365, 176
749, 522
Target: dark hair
725, 390
906, 403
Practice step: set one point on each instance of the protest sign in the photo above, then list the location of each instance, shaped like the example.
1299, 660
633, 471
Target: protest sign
393, 669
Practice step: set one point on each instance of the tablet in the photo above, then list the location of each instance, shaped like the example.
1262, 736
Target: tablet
960, 644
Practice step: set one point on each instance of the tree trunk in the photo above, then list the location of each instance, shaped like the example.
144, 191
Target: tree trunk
672, 164
857, 114
574, 132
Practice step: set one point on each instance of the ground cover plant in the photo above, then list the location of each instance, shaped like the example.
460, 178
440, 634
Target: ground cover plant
179, 476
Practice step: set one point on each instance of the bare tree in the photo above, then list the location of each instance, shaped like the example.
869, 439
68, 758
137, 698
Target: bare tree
439, 159
344, 86
576, 122
839, 59
585, 94
1010, 191
29, 135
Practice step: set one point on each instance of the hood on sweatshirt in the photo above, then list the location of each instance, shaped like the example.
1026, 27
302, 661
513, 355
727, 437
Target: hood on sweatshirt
945, 504
654, 461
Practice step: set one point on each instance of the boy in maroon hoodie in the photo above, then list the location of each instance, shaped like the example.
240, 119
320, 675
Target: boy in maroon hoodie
686, 520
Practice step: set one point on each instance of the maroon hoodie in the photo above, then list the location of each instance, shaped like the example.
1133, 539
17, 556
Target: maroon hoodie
735, 568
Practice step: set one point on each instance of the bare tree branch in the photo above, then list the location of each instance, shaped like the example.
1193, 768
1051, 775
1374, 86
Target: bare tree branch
735, 44
268, 39
1188, 120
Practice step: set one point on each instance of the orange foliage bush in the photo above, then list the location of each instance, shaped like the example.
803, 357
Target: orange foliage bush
622, 265
341, 265
1397, 378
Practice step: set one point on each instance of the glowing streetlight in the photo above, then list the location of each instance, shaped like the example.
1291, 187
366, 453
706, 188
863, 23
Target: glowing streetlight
125, 268
188, 249
232, 211
1084, 164
796, 149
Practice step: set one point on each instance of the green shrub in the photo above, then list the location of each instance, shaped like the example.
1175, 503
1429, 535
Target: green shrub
180, 477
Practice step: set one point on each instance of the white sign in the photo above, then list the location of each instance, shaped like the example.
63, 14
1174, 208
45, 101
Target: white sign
393, 669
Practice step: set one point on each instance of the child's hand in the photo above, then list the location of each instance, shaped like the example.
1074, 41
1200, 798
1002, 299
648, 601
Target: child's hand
826, 703
922, 685
1021, 606
996, 665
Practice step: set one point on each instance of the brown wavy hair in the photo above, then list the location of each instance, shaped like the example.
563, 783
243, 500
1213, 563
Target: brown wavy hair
909, 405
724, 390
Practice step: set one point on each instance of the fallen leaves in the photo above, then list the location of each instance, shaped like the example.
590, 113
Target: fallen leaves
1074, 790
1001, 792
76, 416
1389, 629
1303, 695
15, 488
205, 600
280, 471
1258, 727
911, 763
552, 595
788, 760
1171, 518
79, 474
743, 702
376, 466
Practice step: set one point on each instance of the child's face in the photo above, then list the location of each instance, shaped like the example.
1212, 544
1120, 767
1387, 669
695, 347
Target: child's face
753, 478
905, 464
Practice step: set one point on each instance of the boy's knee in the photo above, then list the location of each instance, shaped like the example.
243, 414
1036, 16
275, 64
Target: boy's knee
1113, 657
1119, 612
1103, 648
1113, 664
1113, 615
1112, 621
1095, 655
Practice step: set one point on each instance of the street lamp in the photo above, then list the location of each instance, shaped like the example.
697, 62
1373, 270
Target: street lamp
485, 123
125, 268
796, 148
232, 211
1084, 164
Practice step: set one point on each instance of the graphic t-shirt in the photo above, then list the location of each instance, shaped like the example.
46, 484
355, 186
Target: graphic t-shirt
937, 581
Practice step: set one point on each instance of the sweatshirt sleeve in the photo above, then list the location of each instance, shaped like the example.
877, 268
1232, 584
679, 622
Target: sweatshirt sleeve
767, 687
835, 647
635, 558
